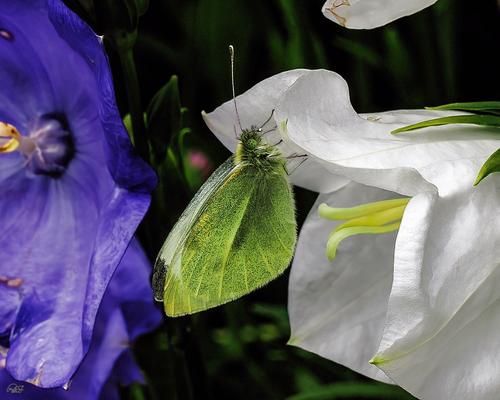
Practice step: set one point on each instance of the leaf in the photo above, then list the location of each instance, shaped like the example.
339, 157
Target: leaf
164, 117
142, 7
483, 120
478, 107
350, 390
491, 165
359, 50
127, 121
294, 46
137, 392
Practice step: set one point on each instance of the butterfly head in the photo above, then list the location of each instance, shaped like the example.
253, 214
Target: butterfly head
253, 150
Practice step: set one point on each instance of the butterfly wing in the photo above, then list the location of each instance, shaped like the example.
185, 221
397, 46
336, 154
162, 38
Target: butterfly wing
243, 238
175, 241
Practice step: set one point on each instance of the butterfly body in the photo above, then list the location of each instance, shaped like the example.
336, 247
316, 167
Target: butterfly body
237, 234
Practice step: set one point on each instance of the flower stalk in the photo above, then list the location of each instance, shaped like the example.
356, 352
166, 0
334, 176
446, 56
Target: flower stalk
131, 79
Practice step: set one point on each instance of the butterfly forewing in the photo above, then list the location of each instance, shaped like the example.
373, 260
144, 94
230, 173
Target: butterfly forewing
242, 238
172, 248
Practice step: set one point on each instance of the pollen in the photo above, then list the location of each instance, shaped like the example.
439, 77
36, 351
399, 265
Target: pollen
11, 282
371, 218
10, 138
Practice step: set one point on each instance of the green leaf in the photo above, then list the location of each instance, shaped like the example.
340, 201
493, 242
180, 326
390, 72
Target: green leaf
142, 7
479, 107
491, 165
353, 390
137, 392
164, 117
359, 50
127, 121
484, 120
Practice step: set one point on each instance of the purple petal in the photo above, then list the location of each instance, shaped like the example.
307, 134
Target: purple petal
62, 238
109, 362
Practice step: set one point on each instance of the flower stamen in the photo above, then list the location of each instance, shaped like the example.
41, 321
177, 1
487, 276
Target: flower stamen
371, 218
47, 145
10, 138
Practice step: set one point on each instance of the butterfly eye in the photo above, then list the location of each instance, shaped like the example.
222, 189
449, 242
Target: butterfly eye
252, 144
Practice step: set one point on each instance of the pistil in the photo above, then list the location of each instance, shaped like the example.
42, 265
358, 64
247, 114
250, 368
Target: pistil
371, 218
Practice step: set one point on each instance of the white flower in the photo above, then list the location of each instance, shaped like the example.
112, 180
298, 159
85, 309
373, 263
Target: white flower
368, 14
423, 303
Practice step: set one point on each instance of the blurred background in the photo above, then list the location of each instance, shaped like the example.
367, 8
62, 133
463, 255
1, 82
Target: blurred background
444, 54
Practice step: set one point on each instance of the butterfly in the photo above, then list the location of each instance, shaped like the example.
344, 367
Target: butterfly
237, 234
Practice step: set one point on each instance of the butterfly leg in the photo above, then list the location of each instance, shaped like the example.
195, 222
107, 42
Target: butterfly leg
304, 159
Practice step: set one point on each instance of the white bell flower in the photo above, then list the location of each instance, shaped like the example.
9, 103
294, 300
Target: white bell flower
421, 305
413, 288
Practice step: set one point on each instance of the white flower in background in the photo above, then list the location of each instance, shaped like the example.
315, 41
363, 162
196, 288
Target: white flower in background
421, 303
368, 14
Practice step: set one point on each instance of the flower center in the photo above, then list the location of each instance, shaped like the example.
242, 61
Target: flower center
48, 148
371, 218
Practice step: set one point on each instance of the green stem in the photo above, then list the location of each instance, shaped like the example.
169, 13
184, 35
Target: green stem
134, 101
188, 372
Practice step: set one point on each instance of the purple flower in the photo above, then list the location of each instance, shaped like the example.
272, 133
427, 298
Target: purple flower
72, 190
126, 311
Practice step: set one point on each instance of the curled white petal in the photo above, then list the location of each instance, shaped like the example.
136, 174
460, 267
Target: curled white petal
316, 116
441, 337
255, 107
368, 14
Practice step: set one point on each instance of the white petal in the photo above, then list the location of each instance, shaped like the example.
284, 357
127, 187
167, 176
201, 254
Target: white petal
441, 339
255, 106
368, 14
315, 114
337, 309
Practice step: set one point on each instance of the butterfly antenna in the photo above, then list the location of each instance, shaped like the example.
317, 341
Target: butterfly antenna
231, 53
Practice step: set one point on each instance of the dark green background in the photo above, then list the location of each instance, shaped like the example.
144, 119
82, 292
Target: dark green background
444, 54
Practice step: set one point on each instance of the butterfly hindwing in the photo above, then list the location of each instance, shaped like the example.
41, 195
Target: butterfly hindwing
242, 238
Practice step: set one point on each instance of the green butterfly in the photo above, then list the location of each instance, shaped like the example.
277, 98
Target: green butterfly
237, 234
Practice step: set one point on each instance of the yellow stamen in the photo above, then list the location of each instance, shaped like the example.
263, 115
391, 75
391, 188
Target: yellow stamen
376, 219
9, 138
337, 237
372, 218
332, 213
